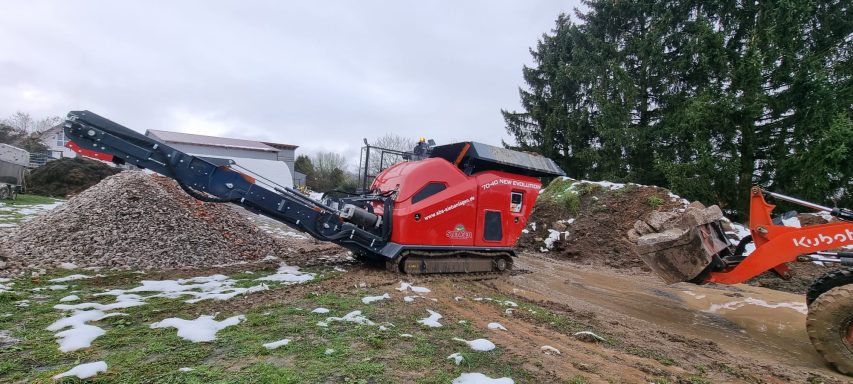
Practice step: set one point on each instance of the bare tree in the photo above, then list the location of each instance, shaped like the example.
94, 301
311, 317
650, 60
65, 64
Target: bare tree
378, 161
24, 122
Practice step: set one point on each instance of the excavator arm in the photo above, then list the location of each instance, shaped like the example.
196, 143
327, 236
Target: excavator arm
216, 180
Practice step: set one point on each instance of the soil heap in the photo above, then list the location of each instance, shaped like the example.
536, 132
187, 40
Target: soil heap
587, 222
135, 221
68, 176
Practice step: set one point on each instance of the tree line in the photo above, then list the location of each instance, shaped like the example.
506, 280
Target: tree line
23, 131
704, 97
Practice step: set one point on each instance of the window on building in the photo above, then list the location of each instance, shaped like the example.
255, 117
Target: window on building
60, 139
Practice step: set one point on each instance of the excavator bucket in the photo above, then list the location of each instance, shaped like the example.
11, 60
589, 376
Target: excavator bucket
678, 247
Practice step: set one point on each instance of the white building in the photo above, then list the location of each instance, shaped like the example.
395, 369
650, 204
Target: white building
272, 161
54, 139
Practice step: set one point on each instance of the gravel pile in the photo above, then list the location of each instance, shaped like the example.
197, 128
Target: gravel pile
135, 221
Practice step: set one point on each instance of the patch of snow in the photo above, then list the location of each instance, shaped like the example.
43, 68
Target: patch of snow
479, 378
409, 299
320, 310
57, 287
122, 301
69, 298
79, 335
549, 350
69, 278
68, 266
533, 225
329, 351
509, 303
587, 336
186, 369
458, 298
553, 237
352, 317
406, 335
456, 357
404, 286
800, 307
370, 299
203, 328
276, 344
480, 345
84, 371
289, 274
432, 320
22, 303
496, 326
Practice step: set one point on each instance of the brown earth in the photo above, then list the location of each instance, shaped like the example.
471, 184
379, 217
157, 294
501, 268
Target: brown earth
67, 177
598, 234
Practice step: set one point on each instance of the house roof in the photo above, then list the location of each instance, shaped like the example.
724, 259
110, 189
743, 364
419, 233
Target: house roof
214, 141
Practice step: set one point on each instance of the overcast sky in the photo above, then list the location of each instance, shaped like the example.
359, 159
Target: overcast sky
321, 75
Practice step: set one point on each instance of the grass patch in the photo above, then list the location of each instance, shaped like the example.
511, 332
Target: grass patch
136, 353
27, 200
655, 201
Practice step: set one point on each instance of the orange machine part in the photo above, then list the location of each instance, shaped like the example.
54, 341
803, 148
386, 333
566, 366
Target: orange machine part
776, 245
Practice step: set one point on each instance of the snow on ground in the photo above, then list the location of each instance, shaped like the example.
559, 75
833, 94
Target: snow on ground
320, 310
352, 317
122, 301
57, 287
480, 345
432, 320
553, 236
69, 278
479, 378
496, 326
69, 298
84, 371
329, 351
203, 328
549, 350
587, 336
5, 285
276, 344
79, 334
289, 274
370, 299
800, 307
406, 286
456, 357
406, 335
186, 369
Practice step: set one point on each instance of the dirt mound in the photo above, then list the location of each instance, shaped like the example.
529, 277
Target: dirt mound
587, 222
68, 176
136, 221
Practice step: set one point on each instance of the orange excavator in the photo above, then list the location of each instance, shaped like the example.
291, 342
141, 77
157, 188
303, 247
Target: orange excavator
702, 254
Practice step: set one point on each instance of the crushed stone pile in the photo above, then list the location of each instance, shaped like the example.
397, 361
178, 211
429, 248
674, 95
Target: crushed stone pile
136, 221
68, 176
587, 222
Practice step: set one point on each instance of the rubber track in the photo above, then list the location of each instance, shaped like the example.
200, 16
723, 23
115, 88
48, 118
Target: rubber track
827, 281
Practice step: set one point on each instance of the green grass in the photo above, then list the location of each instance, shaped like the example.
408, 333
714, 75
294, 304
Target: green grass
567, 193
26, 200
136, 353
655, 201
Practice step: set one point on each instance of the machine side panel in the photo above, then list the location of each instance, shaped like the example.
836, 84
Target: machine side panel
496, 209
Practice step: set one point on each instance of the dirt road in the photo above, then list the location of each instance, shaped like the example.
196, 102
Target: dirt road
751, 328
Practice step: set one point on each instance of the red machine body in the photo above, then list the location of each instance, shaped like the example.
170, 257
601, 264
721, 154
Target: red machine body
437, 204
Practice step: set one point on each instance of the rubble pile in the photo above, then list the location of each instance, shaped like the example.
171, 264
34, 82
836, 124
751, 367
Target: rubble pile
587, 222
135, 221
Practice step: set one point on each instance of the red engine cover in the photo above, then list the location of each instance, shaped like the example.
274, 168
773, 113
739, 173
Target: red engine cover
438, 204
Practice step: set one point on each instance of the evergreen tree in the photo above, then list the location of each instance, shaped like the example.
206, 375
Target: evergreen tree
704, 97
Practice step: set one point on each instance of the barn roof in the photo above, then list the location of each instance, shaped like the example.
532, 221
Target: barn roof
214, 141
